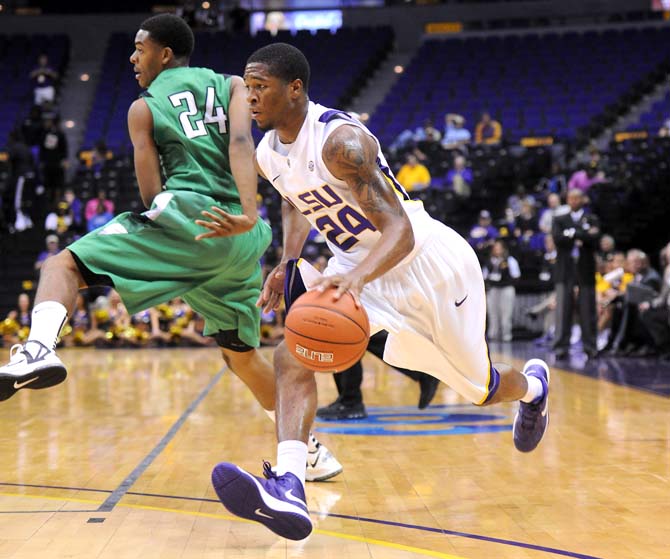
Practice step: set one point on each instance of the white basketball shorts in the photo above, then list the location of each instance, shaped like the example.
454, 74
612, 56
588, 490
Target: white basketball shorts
434, 309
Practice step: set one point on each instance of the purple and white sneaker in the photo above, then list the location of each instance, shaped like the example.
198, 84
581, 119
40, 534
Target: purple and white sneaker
532, 418
277, 502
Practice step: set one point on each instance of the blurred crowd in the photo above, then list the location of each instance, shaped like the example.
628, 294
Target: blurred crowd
100, 319
36, 193
546, 236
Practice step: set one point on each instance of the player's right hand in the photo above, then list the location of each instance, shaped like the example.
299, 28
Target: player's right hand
273, 290
223, 224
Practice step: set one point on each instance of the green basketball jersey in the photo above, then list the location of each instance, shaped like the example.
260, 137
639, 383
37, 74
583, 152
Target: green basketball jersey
191, 130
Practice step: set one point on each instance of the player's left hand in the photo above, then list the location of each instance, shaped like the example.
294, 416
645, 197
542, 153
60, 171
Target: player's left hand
345, 283
223, 224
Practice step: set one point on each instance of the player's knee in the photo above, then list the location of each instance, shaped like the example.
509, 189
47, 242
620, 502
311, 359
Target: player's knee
494, 394
238, 360
230, 341
236, 353
63, 261
286, 365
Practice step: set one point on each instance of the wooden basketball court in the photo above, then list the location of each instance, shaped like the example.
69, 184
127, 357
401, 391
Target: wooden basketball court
115, 463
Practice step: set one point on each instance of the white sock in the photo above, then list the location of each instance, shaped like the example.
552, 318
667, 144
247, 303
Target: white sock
292, 457
47, 320
312, 442
535, 389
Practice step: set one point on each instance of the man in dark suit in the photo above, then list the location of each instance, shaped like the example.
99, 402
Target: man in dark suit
630, 335
576, 235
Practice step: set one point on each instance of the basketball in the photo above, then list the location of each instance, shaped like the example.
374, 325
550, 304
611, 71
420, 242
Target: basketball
325, 334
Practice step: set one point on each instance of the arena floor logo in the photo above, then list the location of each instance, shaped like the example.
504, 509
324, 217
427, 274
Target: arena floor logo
403, 421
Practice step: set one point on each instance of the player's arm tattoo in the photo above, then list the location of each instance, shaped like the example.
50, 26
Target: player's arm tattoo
351, 155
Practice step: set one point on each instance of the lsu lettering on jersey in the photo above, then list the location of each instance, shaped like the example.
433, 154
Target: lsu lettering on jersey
301, 177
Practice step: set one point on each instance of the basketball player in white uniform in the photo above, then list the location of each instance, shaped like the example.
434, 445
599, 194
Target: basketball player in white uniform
417, 278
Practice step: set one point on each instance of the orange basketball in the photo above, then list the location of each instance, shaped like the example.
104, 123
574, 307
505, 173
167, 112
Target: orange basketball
325, 334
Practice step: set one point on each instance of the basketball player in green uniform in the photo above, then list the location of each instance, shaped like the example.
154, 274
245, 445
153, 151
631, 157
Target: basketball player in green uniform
196, 125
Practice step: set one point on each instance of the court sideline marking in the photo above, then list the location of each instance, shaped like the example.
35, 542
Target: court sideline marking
118, 493
351, 537
340, 535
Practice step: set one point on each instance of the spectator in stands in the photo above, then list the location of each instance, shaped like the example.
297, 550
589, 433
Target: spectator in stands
183, 326
488, 131
33, 126
22, 311
606, 248
44, 79
585, 178
630, 335
611, 282
49, 111
99, 157
556, 182
75, 209
427, 133
500, 274
411, 138
413, 176
21, 172
53, 160
527, 223
92, 205
516, 200
553, 208
53, 248
456, 136
428, 147
482, 235
16, 326
79, 331
60, 220
655, 314
459, 179
507, 226
101, 217
576, 235
664, 130
403, 141
546, 307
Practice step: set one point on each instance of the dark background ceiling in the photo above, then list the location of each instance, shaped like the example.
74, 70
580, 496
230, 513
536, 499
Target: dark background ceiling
118, 6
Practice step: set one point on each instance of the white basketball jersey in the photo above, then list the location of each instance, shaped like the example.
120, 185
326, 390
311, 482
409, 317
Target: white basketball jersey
300, 175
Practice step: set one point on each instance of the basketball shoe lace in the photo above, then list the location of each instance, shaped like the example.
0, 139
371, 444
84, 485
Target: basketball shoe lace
16, 353
268, 472
532, 414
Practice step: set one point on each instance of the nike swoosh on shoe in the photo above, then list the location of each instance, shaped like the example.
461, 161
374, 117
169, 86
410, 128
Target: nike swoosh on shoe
258, 512
289, 495
316, 460
18, 385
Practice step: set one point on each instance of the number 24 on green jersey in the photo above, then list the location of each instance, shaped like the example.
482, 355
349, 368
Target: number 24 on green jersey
213, 115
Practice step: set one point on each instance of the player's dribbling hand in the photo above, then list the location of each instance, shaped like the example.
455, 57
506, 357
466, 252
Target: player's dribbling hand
273, 289
350, 283
223, 224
